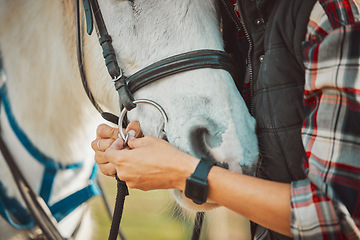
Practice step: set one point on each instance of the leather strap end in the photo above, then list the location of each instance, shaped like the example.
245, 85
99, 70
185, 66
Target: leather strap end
113, 69
89, 18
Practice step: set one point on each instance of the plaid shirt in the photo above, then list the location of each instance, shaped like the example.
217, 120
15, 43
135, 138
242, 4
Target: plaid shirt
326, 205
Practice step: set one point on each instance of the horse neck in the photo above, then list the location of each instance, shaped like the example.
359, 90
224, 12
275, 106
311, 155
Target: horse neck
44, 89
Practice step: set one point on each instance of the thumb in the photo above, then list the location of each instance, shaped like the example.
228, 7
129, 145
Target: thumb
139, 142
118, 144
135, 126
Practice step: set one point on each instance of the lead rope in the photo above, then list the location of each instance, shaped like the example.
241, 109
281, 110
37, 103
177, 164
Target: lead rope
122, 192
198, 224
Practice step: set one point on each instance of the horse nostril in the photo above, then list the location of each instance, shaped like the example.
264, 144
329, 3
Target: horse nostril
199, 142
203, 138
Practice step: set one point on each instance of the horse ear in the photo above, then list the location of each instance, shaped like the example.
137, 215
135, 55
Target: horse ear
89, 18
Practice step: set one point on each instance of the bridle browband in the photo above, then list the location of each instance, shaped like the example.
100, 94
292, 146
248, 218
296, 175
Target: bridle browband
127, 86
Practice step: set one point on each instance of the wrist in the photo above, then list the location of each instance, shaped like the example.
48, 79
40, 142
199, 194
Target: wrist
197, 187
188, 166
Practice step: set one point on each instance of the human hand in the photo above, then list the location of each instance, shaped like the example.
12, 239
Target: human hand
150, 163
106, 136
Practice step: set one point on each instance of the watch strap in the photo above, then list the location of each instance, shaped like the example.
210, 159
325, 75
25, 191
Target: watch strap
202, 169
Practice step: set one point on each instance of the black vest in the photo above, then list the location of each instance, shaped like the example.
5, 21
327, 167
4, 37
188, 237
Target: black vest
276, 29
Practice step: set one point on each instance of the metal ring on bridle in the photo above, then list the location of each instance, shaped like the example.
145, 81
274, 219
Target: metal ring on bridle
147, 101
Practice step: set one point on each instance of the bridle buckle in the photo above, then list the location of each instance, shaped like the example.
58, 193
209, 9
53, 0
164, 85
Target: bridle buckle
117, 78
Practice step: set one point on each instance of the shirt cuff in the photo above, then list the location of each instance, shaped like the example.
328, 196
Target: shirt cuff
311, 211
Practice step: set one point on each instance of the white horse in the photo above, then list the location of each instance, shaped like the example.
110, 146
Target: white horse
48, 103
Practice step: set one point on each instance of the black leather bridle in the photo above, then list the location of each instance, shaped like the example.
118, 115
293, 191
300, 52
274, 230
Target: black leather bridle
126, 86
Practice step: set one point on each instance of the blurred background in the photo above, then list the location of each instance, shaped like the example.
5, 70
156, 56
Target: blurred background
154, 215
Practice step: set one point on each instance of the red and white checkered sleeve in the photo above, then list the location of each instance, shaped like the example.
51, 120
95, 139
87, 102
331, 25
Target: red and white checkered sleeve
326, 205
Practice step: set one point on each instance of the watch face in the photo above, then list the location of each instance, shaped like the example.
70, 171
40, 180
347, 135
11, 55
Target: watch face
196, 190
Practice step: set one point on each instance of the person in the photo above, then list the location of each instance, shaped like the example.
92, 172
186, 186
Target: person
301, 80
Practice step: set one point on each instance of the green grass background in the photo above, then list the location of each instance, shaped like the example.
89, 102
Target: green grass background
153, 215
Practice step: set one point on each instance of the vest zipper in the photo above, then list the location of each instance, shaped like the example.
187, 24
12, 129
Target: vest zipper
240, 25
232, 15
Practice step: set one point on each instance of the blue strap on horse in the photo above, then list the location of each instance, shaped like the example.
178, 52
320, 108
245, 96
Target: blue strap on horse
12, 210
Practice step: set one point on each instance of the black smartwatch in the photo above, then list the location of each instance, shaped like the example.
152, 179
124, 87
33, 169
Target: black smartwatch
196, 187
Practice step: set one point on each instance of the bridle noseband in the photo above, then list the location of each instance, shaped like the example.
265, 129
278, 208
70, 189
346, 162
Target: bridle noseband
127, 86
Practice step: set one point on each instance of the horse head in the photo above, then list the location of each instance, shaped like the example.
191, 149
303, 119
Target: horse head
207, 116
